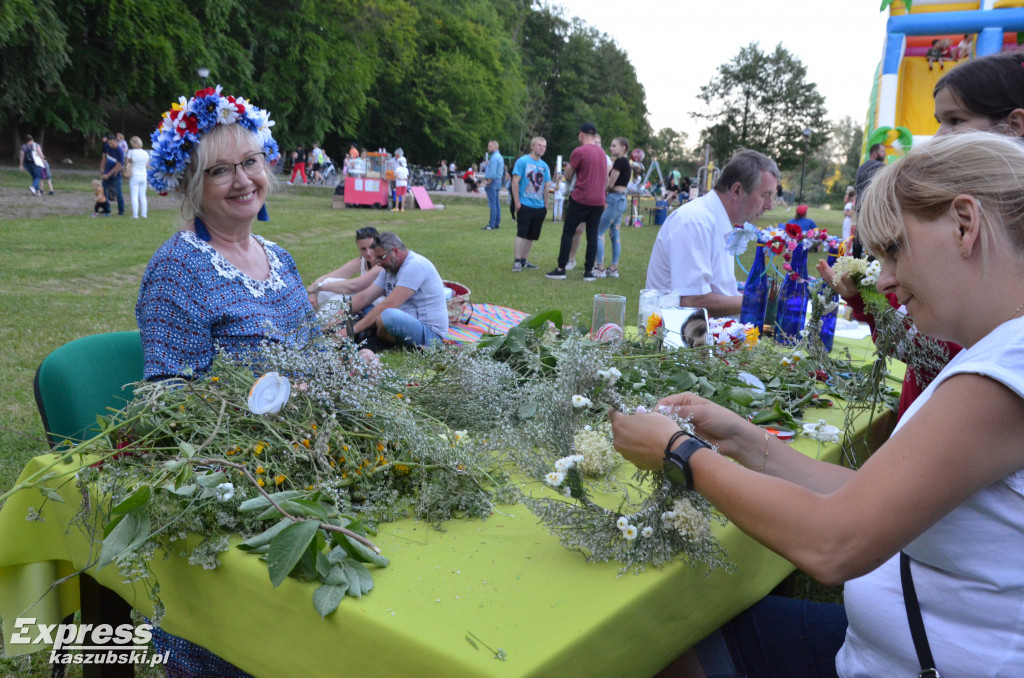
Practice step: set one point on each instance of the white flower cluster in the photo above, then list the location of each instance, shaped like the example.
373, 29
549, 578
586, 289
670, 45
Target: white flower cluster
871, 274
611, 375
851, 266
598, 455
629, 531
686, 520
562, 466
861, 271
225, 492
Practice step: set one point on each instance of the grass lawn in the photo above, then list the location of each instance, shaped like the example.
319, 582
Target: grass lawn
65, 275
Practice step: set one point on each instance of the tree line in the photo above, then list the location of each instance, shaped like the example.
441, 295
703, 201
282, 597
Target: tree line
438, 78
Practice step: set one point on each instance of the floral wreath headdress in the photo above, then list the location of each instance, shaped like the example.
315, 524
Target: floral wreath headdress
182, 128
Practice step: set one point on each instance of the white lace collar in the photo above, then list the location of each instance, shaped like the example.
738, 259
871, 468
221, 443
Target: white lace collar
225, 269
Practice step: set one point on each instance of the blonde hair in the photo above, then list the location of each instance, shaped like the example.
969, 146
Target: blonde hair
96, 183
135, 142
988, 167
208, 150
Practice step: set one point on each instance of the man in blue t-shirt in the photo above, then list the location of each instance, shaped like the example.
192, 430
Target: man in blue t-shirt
530, 179
110, 171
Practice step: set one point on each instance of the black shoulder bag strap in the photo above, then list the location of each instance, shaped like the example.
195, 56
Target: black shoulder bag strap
924, 651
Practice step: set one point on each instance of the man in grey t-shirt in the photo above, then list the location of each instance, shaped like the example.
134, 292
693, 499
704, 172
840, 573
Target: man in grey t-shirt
413, 311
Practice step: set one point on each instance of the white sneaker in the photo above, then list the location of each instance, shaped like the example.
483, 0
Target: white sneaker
598, 273
571, 265
612, 272
289, 183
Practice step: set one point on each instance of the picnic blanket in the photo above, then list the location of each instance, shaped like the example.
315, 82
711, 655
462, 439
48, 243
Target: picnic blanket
487, 319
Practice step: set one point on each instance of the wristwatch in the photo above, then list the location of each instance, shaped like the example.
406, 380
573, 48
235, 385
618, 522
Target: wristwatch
677, 462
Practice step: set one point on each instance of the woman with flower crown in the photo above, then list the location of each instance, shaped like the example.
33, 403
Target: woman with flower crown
939, 508
214, 284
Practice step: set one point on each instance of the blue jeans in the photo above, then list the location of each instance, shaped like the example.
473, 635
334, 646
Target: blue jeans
112, 186
777, 637
34, 171
615, 207
492, 189
409, 331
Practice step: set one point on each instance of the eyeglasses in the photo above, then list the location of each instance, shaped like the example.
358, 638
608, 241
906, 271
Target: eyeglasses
225, 172
382, 258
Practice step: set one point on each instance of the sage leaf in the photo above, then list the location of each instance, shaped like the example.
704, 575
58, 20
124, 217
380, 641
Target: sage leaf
327, 598
135, 501
286, 549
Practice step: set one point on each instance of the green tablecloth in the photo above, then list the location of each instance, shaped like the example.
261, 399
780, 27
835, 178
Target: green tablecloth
506, 580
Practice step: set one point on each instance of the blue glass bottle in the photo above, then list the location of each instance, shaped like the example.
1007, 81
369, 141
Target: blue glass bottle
828, 322
755, 291
792, 312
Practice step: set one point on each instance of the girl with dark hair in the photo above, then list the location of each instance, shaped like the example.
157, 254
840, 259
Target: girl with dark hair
985, 94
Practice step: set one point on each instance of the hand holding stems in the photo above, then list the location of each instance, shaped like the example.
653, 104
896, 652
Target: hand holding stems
846, 288
641, 438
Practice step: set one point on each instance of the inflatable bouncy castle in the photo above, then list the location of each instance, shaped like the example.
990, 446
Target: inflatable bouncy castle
921, 45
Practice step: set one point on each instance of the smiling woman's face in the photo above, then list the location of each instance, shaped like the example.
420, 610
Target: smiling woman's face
236, 202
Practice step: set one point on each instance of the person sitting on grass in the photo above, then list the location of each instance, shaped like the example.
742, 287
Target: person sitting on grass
414, 310
340, 282
102, 205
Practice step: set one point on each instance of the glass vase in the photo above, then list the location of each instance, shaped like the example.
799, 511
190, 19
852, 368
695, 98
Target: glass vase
755, 291
792, 313
828, 321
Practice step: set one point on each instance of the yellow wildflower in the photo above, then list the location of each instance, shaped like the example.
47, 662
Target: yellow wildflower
279, 479
380, 446
260, 469
305, 442
402, 468
399, 395
344, 448
259, 481
314, 427
258, 449
653, 323
214, 378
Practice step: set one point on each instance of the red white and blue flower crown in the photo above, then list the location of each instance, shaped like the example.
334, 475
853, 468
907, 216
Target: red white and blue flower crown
182, 128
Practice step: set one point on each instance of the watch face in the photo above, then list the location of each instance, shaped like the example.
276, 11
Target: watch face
674, 471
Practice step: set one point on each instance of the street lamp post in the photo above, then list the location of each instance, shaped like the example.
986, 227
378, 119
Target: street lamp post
803, 164
203, 72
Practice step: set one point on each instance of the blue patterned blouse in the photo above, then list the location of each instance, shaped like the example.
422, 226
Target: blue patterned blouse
192, 300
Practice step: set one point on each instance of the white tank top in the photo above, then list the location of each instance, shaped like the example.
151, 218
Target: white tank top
968, 568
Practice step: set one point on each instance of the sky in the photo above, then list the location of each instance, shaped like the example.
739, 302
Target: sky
677, 45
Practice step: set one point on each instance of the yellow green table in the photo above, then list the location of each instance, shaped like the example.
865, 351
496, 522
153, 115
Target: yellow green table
506, 580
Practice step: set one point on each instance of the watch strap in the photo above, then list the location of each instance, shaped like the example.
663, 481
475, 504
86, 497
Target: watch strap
679, 456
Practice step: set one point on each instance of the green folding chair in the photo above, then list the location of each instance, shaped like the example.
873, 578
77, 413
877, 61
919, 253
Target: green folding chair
85, 378
75, 383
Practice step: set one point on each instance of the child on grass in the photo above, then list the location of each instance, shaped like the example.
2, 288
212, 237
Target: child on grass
101, 206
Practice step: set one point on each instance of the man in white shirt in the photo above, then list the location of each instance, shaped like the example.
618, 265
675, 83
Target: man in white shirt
689, 256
